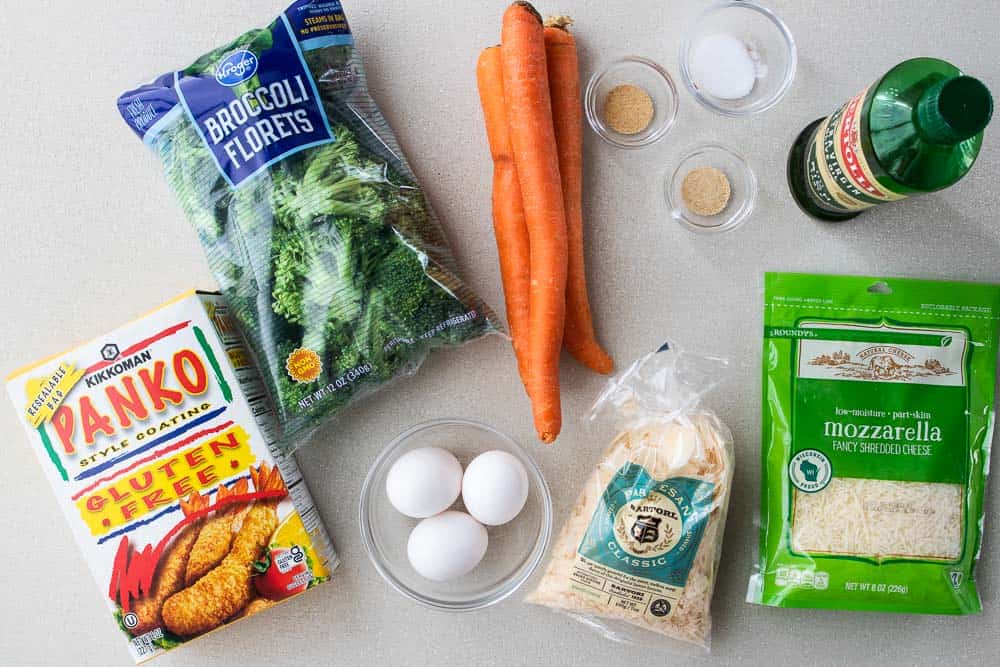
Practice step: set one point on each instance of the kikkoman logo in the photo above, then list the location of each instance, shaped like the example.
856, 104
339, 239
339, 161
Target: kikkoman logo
881, 363
236, 68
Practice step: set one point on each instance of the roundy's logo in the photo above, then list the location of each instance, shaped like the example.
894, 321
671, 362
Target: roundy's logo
649, 527
810, 471
236, 68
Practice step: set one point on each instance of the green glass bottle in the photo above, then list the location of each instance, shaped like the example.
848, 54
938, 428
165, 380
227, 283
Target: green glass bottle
917, 129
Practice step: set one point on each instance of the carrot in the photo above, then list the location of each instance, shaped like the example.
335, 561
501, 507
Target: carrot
567, 119
508, 212
532, 137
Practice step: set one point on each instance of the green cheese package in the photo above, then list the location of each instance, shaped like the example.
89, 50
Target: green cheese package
313, 223
878, 411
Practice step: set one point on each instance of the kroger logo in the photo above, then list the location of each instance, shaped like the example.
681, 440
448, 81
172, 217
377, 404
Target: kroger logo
236, 68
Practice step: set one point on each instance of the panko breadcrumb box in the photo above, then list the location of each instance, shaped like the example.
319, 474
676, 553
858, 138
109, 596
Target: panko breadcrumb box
157, 439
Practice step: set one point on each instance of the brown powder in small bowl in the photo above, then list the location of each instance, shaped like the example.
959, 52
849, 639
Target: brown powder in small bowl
627, 109
705, 191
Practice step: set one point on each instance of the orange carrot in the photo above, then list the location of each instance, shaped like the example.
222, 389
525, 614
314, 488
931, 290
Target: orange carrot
529, 119
508, 212
567, 119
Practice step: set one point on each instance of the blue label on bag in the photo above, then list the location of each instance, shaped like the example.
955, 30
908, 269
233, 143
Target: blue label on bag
269, 57
649, 528
641, 543
256, 105
145, 107
318, 23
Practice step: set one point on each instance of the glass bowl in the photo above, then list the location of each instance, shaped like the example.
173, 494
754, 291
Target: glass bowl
640, 72
742, 186
515, 548
768, 42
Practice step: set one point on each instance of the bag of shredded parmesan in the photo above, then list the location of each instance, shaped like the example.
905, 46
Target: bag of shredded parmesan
877, 425
637, 557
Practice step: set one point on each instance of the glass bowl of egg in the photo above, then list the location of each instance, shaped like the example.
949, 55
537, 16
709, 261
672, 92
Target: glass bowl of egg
455, 515
738, 58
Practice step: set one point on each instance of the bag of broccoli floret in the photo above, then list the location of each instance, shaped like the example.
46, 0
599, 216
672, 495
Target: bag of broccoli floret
313, 223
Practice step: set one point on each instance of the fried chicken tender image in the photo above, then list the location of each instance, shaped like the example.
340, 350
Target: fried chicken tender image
169, 577
227, 588
216, 536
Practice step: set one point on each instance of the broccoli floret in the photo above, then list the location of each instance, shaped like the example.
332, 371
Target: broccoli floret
336, 181
405, 286
414, 300
289, 261
374, 331
316, 277
191, 172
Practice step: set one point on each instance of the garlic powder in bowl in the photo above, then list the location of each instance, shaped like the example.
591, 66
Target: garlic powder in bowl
711, 189
631, 103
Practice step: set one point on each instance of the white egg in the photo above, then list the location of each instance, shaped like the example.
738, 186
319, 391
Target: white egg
424, 482
495, 487
446, 546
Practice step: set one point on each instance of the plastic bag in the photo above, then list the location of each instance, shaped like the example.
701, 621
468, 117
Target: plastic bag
312, 221
878, 420
638, 557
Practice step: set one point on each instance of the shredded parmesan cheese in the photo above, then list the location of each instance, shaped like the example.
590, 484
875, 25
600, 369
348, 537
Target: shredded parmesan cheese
697, 447
879, 518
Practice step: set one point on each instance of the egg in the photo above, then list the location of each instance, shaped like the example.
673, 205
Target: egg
424, 482
495, 487
446, 546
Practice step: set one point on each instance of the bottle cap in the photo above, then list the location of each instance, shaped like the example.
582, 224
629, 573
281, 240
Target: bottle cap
954, 109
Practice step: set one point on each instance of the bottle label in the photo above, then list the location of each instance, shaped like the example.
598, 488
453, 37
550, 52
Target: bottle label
642, 541
838, 171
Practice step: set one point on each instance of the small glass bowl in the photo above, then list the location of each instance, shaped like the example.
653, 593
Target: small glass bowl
640, 72
515, 548
769, 43
742, 186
